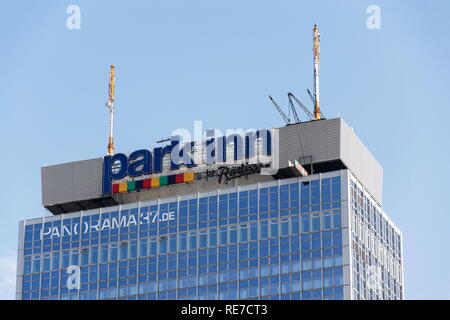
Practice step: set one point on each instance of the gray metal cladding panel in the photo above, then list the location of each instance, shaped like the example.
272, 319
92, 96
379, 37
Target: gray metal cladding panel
71, 181
361, 162
319, 139
79, 189
327, 140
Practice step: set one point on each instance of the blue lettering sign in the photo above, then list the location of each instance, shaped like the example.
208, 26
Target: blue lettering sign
143, 162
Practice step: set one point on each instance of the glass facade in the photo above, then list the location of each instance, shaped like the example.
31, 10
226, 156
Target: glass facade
376, 249
286, 239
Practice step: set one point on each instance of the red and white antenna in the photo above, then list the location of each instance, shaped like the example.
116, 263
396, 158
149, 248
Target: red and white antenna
110, 105
316, 51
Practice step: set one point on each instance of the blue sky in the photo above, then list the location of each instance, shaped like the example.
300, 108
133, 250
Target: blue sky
216, 61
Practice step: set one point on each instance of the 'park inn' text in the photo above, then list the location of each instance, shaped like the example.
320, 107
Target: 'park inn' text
144, 162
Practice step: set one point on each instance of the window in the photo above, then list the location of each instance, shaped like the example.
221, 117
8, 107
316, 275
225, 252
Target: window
113, 253
84, 256
55, 261
264, 230
233, 234
46, 263
212, 237
173, 243
123, 251
223, 236
192, 241
104, 254
243, 236
203, 239
274, 228
254, 231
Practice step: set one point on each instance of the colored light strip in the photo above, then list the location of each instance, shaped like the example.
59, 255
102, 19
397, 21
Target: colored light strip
153, 182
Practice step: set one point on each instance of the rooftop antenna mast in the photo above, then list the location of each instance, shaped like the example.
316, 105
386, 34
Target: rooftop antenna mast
316, 51
317, 114
110, 105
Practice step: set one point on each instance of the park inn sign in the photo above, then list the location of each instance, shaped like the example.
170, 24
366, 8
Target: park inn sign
144, 162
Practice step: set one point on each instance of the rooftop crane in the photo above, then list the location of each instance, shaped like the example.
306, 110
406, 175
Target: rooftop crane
283, 115
310, 96
305, 109
294, 112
